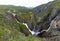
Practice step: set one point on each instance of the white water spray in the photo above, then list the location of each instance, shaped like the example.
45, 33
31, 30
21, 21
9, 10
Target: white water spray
33, 32
49, 27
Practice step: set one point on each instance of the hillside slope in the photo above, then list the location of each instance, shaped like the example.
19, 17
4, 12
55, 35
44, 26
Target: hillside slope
38, 19
9, 28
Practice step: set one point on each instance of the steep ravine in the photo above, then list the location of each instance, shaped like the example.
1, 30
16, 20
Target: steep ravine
42, 21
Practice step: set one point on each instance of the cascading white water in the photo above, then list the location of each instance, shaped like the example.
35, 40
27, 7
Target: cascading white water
33, 32
49, 27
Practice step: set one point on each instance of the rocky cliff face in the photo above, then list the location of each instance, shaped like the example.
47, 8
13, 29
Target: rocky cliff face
51, 19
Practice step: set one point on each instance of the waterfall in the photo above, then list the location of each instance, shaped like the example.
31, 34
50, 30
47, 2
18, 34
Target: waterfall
48, 28
32, 31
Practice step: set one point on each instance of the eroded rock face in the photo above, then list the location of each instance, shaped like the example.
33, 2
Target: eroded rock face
45, 24
54, 34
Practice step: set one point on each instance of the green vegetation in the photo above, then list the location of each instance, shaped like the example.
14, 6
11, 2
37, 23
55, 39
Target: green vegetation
10, 31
